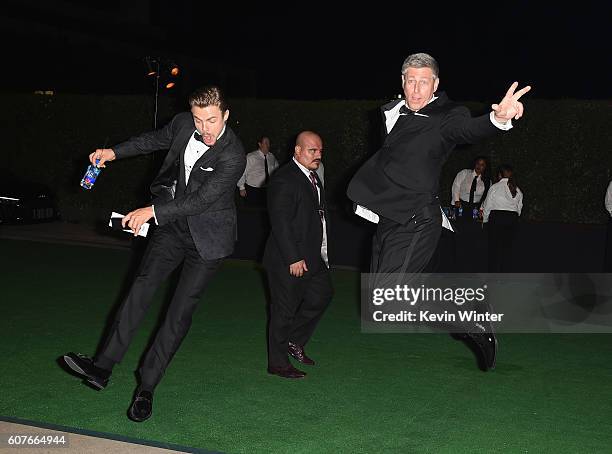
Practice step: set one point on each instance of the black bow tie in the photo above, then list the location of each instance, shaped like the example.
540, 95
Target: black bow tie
198, 137
404, 110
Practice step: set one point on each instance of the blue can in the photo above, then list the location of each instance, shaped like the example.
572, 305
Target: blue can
90, 175
475, 213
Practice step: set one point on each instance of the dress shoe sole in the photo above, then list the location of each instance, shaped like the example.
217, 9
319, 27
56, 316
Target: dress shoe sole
74, 366
134, 418
295, 377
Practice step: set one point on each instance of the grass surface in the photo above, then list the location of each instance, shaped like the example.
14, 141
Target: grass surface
368, 393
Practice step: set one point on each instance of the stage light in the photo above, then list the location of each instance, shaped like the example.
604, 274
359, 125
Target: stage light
174, 70
170, 85
150, 62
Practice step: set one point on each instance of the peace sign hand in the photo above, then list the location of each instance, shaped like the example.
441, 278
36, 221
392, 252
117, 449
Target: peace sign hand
510, 107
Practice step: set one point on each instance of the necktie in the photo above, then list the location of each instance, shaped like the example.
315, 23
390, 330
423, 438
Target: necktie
473, 189
198, 137
404, 110
313, 180
266, 170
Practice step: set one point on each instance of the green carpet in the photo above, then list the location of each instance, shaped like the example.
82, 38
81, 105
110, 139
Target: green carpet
396, 393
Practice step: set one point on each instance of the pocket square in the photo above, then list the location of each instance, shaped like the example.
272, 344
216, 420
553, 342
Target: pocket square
207, 169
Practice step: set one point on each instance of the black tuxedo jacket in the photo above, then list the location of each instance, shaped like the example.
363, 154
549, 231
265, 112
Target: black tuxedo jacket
403, 176
296, 228
207, 201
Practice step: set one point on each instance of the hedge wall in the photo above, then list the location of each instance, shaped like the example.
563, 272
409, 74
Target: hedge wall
560, 150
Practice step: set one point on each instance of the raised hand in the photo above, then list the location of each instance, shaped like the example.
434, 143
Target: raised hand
510, 106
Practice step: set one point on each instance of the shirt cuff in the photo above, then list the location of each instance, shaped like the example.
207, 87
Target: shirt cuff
497, 124
154, 217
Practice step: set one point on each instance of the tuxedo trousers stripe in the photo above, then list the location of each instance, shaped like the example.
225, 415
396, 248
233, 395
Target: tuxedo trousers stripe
169, 246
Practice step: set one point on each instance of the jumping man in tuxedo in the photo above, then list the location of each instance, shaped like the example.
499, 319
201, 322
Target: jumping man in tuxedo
398, 187
193, 207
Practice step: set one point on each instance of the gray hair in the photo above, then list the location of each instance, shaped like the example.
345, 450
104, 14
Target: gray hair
420, 60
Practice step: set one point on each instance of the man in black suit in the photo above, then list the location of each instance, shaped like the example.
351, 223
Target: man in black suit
295, 257
398, 187
193, 206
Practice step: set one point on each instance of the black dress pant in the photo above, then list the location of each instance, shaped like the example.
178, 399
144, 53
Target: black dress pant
406, 248
297, 304
255, 196
169, 246
400, 249
503, 226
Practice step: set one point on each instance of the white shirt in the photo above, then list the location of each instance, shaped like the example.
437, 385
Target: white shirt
499, 197
254, 173
321, 172
463, 184
609, 199
193, 151
391, 117
306, 172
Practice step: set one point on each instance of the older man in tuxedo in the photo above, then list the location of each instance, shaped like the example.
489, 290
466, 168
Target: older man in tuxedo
296, 257
193, 206
398, 186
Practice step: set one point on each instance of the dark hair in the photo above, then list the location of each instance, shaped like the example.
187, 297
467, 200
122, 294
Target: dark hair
506, 171
485, 177
261, 138
208, 96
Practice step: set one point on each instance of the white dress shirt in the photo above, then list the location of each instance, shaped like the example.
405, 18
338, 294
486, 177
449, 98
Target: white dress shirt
609, 199
306, 172
254, 173
499, 197
321, 172
463, 184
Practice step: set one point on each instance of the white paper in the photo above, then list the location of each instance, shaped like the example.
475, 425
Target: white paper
373, 217
144, 230
366, 214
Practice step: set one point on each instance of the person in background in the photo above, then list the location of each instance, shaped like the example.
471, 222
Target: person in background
470, 187
260, 164
296, 259
501, 210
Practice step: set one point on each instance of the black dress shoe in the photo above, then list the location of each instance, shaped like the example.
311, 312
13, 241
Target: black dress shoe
485, 344
84, 366
297, 351
286, 372
142, 406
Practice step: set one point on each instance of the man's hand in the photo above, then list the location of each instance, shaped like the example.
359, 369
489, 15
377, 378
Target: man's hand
298, 269
135, 219
243, 193
103, 154
510, 107
458, 203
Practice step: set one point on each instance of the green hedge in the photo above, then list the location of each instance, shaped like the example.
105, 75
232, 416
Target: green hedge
560, 149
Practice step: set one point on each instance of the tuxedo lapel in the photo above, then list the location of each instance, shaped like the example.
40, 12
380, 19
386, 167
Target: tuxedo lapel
182, 142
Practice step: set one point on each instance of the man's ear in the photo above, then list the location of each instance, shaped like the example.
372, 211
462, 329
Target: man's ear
226, 115
436, 84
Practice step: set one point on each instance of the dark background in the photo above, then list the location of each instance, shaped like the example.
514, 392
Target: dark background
97, 47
